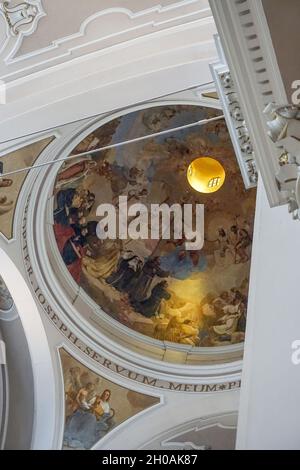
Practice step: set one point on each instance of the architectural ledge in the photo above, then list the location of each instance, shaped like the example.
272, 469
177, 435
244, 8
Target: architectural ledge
272, 123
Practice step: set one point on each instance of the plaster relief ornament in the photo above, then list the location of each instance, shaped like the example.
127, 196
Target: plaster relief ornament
227, 80
239, 127
284, 131
21, 17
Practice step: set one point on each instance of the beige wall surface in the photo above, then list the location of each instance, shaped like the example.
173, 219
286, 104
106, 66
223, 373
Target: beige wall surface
283, 20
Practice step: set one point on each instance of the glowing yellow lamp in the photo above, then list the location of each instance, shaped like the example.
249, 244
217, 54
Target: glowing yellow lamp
206, 175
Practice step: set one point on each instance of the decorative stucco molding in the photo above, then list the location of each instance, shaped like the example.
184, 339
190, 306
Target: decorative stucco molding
201, 437
105, 28
248, 50
235, 120
254, 88
208, 433
21, 20
284, 132
273, 123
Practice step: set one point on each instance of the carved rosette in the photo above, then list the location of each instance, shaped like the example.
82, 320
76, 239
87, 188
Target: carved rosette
283, 124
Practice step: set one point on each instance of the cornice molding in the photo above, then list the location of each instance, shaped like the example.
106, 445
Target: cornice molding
252, 63
237, 126
131, 72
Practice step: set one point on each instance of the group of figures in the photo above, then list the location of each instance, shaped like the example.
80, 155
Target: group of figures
89, 415
224, 319
236, 242
157, 287
71, 229
78, 244
94, 405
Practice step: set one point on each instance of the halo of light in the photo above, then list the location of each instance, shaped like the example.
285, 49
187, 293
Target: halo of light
206, 175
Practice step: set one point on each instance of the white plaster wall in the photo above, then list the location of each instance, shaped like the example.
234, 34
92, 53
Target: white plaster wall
269, 416
43, 416
179, 408
21, 386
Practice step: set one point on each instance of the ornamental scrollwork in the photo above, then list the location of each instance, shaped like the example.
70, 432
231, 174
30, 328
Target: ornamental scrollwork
21, 18
239, 126
283, 123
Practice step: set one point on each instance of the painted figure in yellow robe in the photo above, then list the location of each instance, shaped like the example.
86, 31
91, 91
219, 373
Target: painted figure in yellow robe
105, 263
176, 331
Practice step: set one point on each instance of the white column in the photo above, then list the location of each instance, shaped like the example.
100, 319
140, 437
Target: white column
269, 416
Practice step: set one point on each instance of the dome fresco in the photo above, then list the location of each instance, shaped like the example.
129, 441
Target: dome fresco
157, 287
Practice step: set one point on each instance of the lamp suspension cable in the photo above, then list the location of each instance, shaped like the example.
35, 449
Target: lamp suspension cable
112, 146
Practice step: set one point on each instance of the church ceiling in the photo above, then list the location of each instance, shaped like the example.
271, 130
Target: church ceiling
156, 287
36, 32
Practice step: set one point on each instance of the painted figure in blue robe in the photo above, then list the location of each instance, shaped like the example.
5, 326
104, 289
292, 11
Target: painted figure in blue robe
73, 249
181, 263
91, 421
64, 201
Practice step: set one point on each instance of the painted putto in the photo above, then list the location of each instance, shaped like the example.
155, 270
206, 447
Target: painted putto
157, 287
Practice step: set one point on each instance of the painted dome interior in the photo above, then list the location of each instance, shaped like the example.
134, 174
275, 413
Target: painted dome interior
157, 287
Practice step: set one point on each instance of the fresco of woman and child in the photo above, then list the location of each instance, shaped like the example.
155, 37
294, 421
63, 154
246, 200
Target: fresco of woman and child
10, 187
156, 287
94, 405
